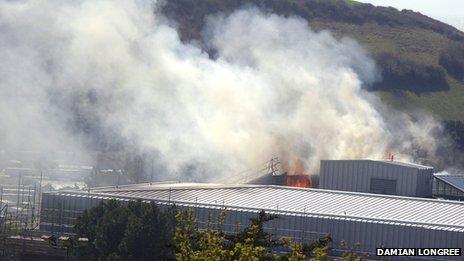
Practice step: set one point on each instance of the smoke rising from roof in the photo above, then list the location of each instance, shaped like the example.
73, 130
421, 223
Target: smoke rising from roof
274, 88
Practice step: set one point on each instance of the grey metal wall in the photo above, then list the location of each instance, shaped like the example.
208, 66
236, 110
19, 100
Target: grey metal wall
356, 175
424, 183
60, 211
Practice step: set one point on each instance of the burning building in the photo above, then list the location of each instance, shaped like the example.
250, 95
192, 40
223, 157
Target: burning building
284, 179
292, 174
381, 177
304, 215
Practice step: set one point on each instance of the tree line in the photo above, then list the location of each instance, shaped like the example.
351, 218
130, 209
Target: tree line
403, 74
190, 14
143, 231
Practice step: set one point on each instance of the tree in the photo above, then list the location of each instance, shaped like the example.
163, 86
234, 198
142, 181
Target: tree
145, 237
253, 243
296, 250
399, 73
86, 226
211, 243
319, 248
132, 231
248, 249
350, 252
142, 231
255, 232
110, 231
195, 244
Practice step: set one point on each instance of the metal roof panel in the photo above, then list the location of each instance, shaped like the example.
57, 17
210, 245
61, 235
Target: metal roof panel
456, 181
324, 203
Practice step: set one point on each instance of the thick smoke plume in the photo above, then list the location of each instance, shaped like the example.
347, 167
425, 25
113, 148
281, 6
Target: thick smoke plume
274, 88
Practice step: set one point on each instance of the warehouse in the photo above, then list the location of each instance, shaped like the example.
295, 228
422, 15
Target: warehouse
374, 176
304, 214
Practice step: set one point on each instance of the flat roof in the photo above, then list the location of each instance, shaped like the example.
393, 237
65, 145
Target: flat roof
392, 162
432, 213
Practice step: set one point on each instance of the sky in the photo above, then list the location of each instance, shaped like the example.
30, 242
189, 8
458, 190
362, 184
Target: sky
448, 11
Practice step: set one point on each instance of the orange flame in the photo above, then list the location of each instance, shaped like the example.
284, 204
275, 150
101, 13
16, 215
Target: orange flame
389, 155
300, 181
296, 175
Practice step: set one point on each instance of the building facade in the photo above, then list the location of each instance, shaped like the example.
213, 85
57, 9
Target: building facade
381, 177
304, 215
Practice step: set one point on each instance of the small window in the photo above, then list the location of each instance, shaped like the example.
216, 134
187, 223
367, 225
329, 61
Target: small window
383, 186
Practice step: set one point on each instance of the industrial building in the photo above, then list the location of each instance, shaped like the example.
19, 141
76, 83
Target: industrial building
382, 177
305, 214
448, 186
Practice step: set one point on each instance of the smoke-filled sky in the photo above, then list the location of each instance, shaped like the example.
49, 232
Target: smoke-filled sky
275, 88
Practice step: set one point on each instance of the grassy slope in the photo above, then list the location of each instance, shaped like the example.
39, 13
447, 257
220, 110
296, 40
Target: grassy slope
378, 29
446, 105
420, 45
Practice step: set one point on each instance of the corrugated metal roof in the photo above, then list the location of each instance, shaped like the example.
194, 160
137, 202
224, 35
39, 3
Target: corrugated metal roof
456, 181
335, 204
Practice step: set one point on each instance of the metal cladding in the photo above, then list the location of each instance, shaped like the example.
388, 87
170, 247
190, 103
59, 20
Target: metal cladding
448, 186
304, 214
382, 177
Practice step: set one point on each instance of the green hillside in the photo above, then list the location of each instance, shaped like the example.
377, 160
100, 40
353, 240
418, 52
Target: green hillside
406, 45
416, 44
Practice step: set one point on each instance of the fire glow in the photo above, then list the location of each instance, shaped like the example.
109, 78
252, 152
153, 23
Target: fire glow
300, 181
296, 175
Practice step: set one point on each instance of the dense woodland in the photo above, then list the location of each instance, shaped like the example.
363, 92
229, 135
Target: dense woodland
402, 74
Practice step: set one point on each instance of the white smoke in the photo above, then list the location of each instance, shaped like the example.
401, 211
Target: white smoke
276, 88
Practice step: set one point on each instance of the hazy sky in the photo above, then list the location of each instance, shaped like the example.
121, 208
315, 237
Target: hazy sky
448, 11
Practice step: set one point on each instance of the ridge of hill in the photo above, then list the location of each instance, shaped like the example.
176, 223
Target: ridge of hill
421, 59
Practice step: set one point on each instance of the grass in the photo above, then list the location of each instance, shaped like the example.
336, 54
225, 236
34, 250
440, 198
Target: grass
351, 3
446, 105
419, 45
